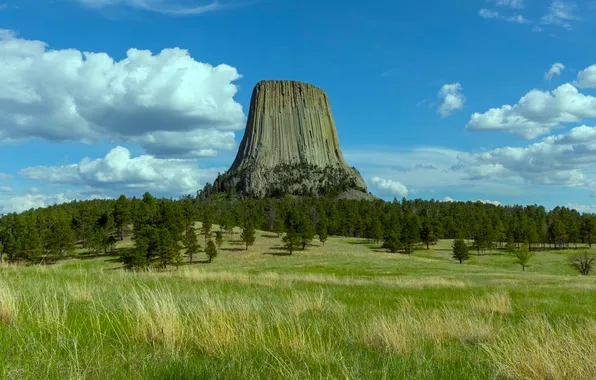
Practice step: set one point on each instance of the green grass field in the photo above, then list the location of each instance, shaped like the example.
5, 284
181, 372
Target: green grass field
347, 310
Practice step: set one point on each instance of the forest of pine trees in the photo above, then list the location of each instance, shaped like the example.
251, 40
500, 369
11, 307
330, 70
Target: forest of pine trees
159, 227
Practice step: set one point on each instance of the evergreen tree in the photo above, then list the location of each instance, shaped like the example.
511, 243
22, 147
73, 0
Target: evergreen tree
460, 250
191, 244
207, 224
306, 231
219, 239
376, 230
248, 235
322, 230
279, 227
292, 239
392, 242
410, 234
427, 233
211, 250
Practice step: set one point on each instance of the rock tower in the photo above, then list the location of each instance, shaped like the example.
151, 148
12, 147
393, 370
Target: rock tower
290, 146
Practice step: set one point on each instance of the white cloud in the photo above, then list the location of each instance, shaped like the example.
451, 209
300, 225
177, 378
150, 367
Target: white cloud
118, 171
586, 78
555, 69
5, 189
514, 4
452, 99
495, 203
495, 15
560, 13
386, 187
588, 209
163, 6
537, 112
567, 159
36, 200
156, 100
5, 176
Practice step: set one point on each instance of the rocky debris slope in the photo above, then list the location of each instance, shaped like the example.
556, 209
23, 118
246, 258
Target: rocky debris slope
290, 146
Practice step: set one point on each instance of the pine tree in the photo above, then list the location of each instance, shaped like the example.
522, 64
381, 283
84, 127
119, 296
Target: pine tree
427, 233
207, 225
279, 226
306, 231
219, 239
322, 230
460, 250
211, 250
248, 235
292, 239
410, 234
392, 242
191, 243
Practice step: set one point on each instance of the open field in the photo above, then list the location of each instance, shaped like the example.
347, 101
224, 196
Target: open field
345, 310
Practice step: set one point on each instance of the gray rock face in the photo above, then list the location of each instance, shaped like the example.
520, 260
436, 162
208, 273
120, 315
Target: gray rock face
290, 146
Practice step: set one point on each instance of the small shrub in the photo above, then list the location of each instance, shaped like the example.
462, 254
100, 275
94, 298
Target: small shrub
583, 263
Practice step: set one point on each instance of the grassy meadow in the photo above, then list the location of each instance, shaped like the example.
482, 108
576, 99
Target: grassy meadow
346, 310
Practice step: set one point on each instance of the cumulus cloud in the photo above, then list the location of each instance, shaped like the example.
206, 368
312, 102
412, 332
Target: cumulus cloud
537, 112
495, 15
35, 200
588, 209
452, 99
566, 159
118, 171
586, 78
514, 4
163, 6
560, 13
495, 203
555, 69
386, 187
157, 100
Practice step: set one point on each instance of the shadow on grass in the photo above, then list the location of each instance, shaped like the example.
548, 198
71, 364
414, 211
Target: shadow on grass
360, 242
233, 249
269, 236
277, 253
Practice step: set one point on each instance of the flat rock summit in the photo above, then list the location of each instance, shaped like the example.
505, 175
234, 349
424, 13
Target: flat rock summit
290, 146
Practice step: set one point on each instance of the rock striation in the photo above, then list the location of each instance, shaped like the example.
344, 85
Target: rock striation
290, 146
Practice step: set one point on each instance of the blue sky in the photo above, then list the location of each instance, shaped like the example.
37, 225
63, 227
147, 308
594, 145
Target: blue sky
468, 100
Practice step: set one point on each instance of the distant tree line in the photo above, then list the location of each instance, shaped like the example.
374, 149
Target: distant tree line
163, 230
405, 225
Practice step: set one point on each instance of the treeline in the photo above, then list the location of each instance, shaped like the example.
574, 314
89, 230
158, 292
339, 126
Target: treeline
163, 229
402, 225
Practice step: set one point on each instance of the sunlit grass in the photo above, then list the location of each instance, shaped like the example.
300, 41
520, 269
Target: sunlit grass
339, 311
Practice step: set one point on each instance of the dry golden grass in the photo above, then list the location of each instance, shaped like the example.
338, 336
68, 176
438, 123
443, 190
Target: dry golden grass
408, 328
79, 291
537, 350
156, 318
273, 279
498, 302
9, 306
